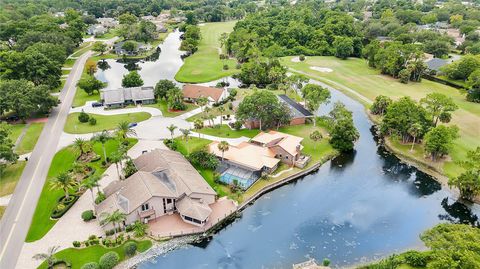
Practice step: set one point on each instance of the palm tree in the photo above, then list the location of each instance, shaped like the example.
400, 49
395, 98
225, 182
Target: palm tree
172, 129
202, 101
223, 146
103, 137
91, 183
48, 257
414, 131
115, 217
198, 124
221, 109
207, 111
64, 182
185, 134
124, 130
315, 136
116, 158
81, 145
139, 228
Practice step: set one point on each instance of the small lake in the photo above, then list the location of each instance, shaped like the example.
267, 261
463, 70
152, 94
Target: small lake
357, 207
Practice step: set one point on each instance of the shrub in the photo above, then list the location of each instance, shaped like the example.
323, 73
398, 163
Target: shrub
171, 144
87, 215
100, 198
237, 125
130, 248
129, 228
129, 168
83, 117
63, 206
92, 237
301, 58
204, 159
90, 265
92, 121
415, 258
76, 244
326, 262
230, 106
225, 67
109, 260
238, 66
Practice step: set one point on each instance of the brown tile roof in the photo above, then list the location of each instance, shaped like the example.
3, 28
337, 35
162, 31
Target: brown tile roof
193, 208
247, 154
197, 91
289, 143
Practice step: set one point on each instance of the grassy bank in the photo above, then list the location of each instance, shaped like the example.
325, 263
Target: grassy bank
77, 257
205, 65
163, 106
104, 122
10, 177
30, 138
356, 75
62, 161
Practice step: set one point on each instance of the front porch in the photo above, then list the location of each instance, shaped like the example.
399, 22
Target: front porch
302, 161
173, 225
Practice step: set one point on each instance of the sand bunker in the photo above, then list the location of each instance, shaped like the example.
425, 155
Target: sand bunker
321, 69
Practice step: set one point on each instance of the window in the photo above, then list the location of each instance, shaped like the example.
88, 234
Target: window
169, 201
145, 207
286, 157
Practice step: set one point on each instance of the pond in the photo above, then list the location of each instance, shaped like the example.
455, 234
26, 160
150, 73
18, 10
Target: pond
357, 207
161, 65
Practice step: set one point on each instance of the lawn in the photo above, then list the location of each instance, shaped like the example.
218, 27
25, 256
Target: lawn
62, 161
355, 74
10, 177
16, 131
84, 47
110, 122
162, 105
2, 211
77, 257
69, 63
205, 65
81, 97
30, 138
225, 131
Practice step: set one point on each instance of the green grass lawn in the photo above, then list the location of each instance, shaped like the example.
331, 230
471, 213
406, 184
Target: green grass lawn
2, 211
77, 257
62, 161
162, 105
16, 131
225, 131
73, 126
81, 97
69, 63
205, 65
65, 71
10, 177
84, 47
30, 138
355, 74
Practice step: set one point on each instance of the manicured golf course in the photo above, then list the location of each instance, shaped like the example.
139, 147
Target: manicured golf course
205, 64
356, 75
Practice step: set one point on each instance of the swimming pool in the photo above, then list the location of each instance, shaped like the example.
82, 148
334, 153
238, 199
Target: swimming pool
243, 182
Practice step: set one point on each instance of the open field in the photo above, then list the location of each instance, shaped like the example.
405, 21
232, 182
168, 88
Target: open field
77, 257
205, 65
10, 177
30, 138
62, 162
356, 75
225, 131
73, 126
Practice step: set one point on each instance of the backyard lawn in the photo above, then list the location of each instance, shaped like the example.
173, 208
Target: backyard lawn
205, 65
356, 75
62, 161
110, 122
30, 138
162, 105
77, 257
225, 131
10, 177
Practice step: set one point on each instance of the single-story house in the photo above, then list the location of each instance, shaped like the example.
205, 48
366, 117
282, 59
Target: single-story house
298, 113
192, 92
118, 48
114, 98
96, 29
166, 183
434, 64
247, 161
107, 22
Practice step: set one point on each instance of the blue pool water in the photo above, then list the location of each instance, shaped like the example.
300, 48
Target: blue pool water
244, 183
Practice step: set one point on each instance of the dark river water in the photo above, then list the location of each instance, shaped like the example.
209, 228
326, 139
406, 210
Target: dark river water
357, 207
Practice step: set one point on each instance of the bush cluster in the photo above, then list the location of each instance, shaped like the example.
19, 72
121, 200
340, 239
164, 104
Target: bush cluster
100, 198
92, 121
109, 260
204, 159
171, 144
83, 117
63, 206
130, 248
91, 265
88, 215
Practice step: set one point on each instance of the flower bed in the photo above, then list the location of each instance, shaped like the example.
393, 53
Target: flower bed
63, 206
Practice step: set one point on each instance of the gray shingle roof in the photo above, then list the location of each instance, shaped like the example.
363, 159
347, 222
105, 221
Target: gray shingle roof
436, 63
297, 110
122, 95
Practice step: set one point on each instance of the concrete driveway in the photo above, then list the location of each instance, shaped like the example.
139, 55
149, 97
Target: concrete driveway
87, 108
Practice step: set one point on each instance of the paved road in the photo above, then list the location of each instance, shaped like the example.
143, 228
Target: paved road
16, 221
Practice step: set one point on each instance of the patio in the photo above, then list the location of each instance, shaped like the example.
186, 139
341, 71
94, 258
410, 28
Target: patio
173, 225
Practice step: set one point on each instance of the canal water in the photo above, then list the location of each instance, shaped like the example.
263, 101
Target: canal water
358, 207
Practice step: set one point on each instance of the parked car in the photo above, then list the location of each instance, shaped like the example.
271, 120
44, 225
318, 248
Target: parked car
97, 104
12, 118
133, 124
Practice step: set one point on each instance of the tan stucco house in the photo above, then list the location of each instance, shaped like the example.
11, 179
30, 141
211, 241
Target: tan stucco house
166, 183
